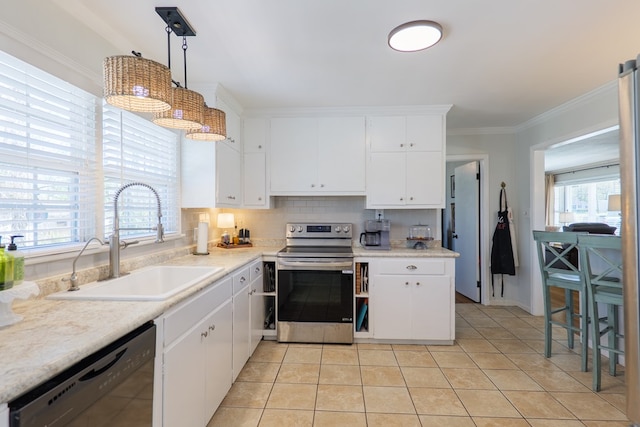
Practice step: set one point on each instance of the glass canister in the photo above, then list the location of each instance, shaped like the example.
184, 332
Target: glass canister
420, 232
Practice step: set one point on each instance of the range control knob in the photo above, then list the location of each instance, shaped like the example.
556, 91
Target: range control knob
292, 228
346, 228
337, 229
299, 229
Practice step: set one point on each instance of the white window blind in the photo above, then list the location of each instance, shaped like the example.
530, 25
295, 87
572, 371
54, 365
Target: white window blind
47, 157
137, 150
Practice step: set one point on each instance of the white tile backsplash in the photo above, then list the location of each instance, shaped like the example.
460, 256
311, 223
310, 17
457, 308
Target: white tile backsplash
270, 223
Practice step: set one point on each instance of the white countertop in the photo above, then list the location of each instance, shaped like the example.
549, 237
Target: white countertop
55, 334
439, 252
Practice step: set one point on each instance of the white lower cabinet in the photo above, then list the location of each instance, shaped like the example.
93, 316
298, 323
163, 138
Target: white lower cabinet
257, 305
4, 415
241, 318
197, 356
413, 299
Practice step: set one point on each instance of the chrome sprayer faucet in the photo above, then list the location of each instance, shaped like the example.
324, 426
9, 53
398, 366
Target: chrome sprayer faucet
114, 240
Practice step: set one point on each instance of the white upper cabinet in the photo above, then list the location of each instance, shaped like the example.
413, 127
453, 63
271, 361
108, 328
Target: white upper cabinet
254, 135
233, 124
311, 155
211, 175
406, 160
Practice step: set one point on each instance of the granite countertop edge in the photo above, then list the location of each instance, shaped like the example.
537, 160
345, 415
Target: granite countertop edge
55, 334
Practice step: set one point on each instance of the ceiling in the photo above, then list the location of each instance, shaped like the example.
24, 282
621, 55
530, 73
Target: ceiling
500, 63
599, 149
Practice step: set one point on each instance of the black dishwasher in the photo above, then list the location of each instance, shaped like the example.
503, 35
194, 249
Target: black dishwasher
112, 387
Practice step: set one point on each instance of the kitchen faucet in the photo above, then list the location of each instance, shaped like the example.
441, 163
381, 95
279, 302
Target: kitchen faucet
74, 277
114, 240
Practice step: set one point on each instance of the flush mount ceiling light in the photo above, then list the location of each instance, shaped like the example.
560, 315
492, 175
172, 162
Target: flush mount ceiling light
214, 127
415, 35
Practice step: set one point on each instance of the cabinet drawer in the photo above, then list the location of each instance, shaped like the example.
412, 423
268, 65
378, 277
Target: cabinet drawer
240, 279
185, 316
412, 266
255, 270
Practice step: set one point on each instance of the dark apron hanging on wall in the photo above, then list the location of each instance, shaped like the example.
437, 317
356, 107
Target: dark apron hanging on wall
502, 257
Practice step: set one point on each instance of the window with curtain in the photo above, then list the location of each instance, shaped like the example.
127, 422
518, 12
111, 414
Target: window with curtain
47, 157
585, 194
137, 150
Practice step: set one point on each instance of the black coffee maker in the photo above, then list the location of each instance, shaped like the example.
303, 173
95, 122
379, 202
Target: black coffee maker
376, 234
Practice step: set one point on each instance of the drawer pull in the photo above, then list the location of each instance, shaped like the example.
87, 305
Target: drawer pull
406, 283
417, 283
242, 279
212, 327
411, 267
204, 334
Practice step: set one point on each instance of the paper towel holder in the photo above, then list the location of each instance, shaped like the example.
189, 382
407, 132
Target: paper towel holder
202, 235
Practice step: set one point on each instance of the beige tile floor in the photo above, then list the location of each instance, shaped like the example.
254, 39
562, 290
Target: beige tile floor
494, 375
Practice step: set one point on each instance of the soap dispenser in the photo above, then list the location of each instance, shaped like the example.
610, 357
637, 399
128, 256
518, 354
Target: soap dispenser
6, 268
18, 261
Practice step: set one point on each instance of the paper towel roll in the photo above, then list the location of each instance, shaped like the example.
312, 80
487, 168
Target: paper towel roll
203, 238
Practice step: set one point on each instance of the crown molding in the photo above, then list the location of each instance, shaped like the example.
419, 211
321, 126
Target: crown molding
348, 111
39, 47
582, 99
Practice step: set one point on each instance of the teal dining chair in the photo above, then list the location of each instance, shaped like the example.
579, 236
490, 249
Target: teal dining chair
601, 258
559, 268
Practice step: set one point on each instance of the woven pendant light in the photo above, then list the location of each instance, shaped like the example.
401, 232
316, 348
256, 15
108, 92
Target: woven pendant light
186, 112
214, 127
137, 84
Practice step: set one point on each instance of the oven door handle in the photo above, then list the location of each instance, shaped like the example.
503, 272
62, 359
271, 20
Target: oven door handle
315, 265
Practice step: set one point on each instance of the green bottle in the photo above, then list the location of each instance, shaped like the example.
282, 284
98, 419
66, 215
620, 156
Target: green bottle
6, 269
18, 261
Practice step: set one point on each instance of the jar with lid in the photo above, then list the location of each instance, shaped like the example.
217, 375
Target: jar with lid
420, 232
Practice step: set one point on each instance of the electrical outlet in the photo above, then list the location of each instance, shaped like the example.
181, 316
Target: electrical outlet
379, 214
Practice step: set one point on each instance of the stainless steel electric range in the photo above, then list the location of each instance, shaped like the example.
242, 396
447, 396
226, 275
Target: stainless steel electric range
315, 284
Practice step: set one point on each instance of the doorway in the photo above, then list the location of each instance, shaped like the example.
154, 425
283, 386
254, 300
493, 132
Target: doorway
465, 230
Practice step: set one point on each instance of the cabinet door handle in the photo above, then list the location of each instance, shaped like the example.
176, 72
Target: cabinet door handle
257, 270
406, 283
401, 145
417, 283
259, 146
411, 145
411, 267
401, 198
204, 334
410, 198
313, 185
321, 185
212, 327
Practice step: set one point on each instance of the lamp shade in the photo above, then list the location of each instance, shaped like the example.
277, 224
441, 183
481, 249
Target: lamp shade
137, 84
614, 203
226, 220
214, 127
186, 112
566, 217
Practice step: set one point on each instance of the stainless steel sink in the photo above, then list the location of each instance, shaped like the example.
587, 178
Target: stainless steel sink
156, 283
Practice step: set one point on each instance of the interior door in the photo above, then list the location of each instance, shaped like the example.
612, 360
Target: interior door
466, 236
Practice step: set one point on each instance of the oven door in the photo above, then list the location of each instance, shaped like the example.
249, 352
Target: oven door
315, 300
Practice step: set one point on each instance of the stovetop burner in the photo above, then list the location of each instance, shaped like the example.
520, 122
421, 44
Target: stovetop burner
318, 240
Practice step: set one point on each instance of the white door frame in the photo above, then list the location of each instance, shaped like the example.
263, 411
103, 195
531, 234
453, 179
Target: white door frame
483, 159
537, 201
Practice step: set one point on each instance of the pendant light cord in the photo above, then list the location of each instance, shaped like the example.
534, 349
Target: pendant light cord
184, 52
168, 30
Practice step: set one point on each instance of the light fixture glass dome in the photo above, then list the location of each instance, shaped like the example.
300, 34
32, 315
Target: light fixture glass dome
415, 35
